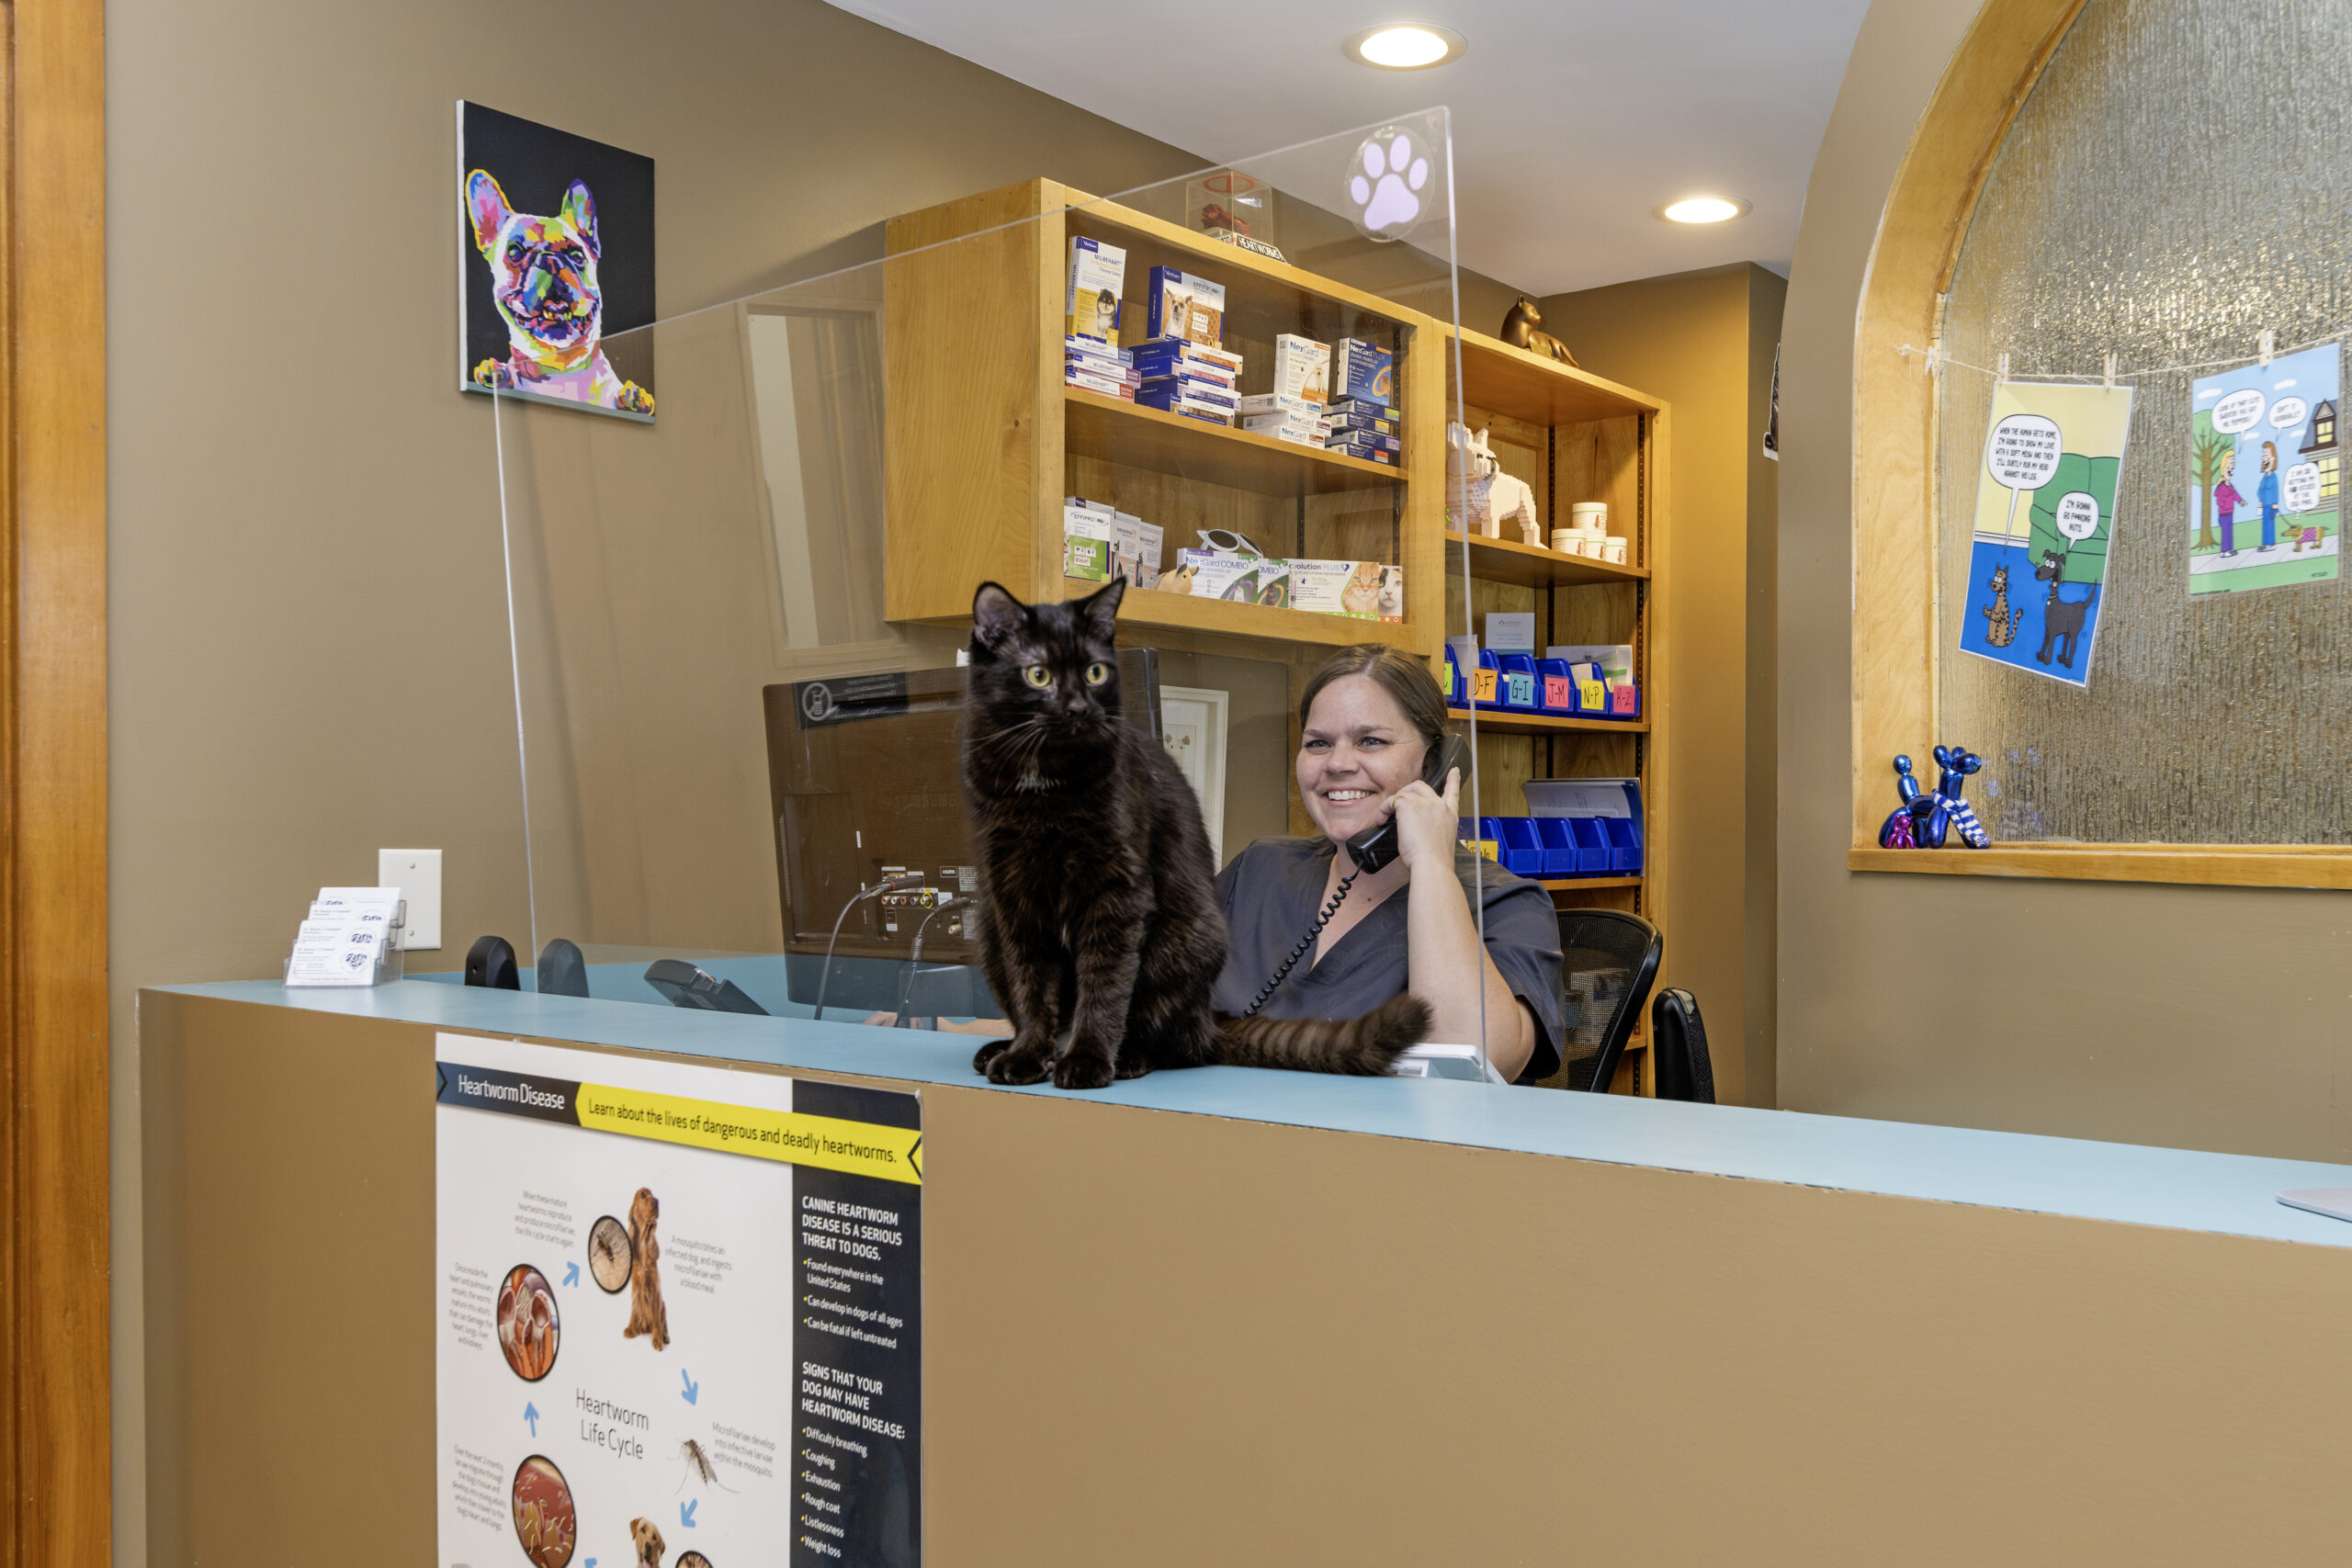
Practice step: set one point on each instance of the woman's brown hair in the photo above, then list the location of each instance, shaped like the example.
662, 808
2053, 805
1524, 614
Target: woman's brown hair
1402, 676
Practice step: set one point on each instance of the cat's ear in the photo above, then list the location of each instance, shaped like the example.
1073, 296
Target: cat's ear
996, 615
1099, 611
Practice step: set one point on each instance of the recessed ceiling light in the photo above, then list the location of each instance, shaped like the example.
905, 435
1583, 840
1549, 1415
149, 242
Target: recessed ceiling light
1704, 209
1404, 46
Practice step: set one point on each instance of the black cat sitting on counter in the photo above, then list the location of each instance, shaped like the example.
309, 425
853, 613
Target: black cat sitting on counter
1117, 947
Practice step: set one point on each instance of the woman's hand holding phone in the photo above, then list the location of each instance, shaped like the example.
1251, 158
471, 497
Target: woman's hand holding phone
1428, 824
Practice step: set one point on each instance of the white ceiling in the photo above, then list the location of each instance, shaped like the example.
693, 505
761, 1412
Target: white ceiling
1571, 122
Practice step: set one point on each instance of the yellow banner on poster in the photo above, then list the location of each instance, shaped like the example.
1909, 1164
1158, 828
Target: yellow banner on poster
859, 1148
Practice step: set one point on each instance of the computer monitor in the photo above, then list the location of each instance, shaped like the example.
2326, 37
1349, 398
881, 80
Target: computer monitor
865, 784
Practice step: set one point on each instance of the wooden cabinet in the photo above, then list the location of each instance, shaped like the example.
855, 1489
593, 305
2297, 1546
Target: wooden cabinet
985, 442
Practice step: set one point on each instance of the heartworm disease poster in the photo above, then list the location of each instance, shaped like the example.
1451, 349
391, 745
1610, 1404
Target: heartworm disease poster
679, 1315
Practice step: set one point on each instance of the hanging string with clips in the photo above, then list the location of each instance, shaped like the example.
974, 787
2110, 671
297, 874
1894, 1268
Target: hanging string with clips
1937, 359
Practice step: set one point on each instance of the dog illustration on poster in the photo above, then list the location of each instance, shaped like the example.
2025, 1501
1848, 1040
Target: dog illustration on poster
557, 272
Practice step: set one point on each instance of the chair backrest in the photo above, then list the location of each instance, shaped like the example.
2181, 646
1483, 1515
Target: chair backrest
1608, 962
1678, 1048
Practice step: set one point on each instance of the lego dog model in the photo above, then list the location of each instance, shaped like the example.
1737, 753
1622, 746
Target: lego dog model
543, 278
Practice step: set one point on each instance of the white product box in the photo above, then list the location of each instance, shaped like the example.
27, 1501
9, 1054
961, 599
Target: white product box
1302, 368
1274, 402
1088, 382
1221, 577
1097, 275
1320, 585
1136, 549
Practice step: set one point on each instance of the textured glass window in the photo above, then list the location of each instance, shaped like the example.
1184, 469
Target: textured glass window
2175, 185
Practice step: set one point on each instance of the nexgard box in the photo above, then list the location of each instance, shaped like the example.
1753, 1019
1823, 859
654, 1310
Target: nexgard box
1360, 372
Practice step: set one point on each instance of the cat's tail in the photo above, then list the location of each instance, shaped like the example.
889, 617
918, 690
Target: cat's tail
1362, 1046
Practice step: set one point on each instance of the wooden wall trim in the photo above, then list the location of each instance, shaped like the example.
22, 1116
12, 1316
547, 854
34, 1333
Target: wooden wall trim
54, 781
1895, 647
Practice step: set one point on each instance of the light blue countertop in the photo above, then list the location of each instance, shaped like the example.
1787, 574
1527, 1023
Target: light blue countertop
2187, 1190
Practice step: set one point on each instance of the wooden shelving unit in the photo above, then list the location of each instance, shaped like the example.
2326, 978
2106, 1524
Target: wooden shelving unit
1111, 429
985, 442
1531, 565
1573, 436
1496, 722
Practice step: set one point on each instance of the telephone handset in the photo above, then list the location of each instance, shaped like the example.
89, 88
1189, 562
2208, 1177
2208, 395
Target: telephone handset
1371, 850
1375, 847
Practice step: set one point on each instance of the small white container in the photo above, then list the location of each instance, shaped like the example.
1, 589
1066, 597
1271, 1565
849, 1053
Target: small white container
1590, 516
1613, 550
1564, 541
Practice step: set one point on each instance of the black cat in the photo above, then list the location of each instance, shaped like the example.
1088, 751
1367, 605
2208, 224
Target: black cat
1097, 912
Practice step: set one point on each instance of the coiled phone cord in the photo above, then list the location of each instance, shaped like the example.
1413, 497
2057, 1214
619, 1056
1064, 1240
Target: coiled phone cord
1305, 943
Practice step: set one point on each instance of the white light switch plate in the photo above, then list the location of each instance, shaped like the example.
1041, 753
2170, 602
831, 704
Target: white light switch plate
417, 874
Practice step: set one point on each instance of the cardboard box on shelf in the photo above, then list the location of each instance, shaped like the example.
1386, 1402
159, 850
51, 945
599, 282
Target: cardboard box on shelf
1181, 304
1098, 275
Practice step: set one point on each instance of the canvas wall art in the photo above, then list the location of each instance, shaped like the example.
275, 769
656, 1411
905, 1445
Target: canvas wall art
555, 266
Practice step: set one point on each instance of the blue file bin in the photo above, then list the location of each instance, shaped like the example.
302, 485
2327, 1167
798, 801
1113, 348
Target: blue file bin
1523, 851
1559, 842
1592, 845
1625, 843
1518, 685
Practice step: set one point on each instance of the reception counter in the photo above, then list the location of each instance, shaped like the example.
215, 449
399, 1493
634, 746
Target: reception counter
1240, 1316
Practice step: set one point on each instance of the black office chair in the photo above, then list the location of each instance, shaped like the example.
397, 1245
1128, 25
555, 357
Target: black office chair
1679, 1049
1600, 942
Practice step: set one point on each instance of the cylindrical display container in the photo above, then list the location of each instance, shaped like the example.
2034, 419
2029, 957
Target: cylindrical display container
1613, 550
1590, 516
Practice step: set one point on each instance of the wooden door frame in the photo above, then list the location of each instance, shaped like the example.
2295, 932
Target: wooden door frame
54, 1267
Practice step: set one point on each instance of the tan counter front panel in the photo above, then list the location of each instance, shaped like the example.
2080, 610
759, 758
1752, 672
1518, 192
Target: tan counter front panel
1168, 1339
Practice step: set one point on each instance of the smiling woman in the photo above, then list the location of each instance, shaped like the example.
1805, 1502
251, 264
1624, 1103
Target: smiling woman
1317, 929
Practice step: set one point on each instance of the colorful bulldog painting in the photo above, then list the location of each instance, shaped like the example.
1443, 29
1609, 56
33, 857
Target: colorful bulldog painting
561, 230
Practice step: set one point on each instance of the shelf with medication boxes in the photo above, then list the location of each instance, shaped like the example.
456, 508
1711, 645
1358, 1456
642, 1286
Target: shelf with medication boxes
990, 440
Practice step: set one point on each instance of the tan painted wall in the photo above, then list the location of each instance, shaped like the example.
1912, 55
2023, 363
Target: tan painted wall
296, 484
2205, 1017
1145, 1367
1694, 340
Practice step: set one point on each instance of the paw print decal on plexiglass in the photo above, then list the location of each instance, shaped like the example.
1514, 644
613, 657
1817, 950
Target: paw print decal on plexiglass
1385, 189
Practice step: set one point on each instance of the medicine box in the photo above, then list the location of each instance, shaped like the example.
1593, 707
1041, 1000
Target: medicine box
1370, 441
1162, 395
1320, 586
1086, 542
1221, 577
1184, 305
1136, 548
1348, 419
1274, 402
1087, 381
1097, 273
1302, 368
1273, 583
1193, 388
1358, 449
1360, 370
1373, 407
1157, 358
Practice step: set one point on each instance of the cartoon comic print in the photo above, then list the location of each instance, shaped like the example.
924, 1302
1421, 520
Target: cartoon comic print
2045, 514
2264, 472
555, 266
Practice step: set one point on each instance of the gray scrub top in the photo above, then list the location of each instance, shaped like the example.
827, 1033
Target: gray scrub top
1273, 891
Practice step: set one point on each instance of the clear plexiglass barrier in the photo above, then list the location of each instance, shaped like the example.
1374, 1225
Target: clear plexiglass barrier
738, 600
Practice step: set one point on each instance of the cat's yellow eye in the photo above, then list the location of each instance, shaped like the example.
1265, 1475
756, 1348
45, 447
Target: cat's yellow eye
1038, 676
1097, 674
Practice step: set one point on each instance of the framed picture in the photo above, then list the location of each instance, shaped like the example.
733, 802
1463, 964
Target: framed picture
1193, 722
555, 267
